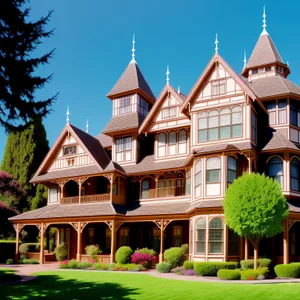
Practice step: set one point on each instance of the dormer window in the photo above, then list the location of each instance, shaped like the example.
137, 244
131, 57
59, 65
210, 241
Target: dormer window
69, 150
218, 87
123, 105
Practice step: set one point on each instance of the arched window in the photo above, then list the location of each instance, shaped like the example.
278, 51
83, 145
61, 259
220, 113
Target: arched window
213, 166
161, 144
202, 127
200, 236
274, 169
213, 125
295, 174
198, 179
215, 236
182, 142
172, 140
236, 121
231, 170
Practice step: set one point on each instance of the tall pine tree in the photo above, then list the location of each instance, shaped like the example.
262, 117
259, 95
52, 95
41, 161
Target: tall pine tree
24, 152
19, 38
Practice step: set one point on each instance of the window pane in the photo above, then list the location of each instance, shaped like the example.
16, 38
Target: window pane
237, 118
53, 195
282, 103
212, 175
202, 123
203, 135
213, 134
213, 121
172, 138
282, 116
236, 130
225, 120
213, 163
225, 132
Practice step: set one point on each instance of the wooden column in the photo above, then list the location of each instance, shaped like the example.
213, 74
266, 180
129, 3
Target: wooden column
113, 241
78, 255
17, 242
79, 192
42, 244
161, 241
246, 249
57, 237
286, 242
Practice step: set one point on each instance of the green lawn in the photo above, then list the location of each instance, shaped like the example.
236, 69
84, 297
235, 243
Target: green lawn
7, 275
105, 285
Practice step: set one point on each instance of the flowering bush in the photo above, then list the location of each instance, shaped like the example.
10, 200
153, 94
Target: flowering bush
189, 272
64, 264
92, 251
142, 259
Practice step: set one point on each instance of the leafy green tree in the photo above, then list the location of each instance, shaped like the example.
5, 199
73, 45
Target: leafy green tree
19, 38
24, 152
254, 207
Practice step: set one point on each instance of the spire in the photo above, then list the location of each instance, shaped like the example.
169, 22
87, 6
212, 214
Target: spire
216, 43
245, 60
133, 50
68, 113
87, 126
264, 26
168, 73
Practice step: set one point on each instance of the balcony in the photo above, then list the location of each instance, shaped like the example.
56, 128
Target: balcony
85, 199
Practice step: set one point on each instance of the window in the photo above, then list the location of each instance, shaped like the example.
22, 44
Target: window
233, 243
218, 87
274, 169
169, 112
69, 150
161, 144
215, 236
213, 166
115, 187
182, 148
277, 110
123, 105
124, 149
177, 236
295, 113
213, 126
232, 170
254, 126
91, 236
268, 69
295, 174
200, 236
145, 188
254, 71
53, 195
188, 183
198, 178
107, 238
282, 111
143, 106
172, 141
123, 237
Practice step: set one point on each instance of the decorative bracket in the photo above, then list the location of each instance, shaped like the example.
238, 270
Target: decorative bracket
162, 224
291, 223
39, 226
16, 228
109, 224
109, 176
118, 224
82, 225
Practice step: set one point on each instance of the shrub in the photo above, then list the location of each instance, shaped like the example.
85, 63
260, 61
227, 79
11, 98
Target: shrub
212, 268
178, 270
264, 262
30, 261
142, 259
264, 271
188, 265
123, 255
248, 274
130, 267
92, 251
73, 264
84, 265
287, 271
185, 248
10, 261
163, 267
61, 252
23, 248
174, 256
146, 251
64, 264
248, 264
102, 266
229, 274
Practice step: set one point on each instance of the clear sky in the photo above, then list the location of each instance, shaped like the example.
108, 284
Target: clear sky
93, 47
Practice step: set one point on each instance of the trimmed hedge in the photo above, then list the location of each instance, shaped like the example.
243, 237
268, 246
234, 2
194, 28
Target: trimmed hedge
229, 274
264, 271
261, 262
123, 255
287, 271
163, 267
29, 261
249, 274
188, 265
61, 252
175, 256
9, 261
212, 268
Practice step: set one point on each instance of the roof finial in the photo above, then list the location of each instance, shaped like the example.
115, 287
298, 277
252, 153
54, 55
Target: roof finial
168, 73
87, 126
68, 113
288, 64
178, 90
245, 60
216, 43
264, 26
133, 49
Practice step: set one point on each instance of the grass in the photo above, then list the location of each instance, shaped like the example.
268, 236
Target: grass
106, 285
9, 241
7, 275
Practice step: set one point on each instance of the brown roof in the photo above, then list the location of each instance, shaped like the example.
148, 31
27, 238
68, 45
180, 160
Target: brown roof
272, 86
148, 163
294, 207
105, 140
274, 140
206, 204
121, 122
131, 79
264, 53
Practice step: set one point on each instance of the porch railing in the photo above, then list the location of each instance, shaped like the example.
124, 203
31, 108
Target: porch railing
163, 192
85, 199
103, 259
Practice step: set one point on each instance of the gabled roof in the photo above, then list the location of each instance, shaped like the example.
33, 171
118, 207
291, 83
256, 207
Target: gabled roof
264, 53
207, 70
90, 144
132, 79
159, 102
272, 86
123, 122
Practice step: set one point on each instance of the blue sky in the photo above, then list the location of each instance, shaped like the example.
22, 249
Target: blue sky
93, 47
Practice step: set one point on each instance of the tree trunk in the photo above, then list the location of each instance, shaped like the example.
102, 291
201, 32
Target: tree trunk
255, 245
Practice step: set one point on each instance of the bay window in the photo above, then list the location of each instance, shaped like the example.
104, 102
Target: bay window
198, 179
213, 169
277, 110
124, 149
215, 237
232, 170
295, 174
200, 236
275, 169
